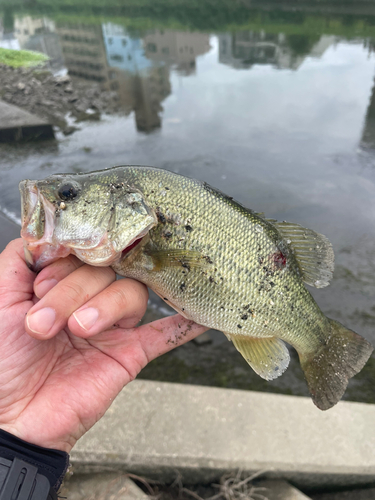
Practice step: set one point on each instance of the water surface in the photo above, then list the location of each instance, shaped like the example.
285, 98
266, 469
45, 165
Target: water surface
276, 111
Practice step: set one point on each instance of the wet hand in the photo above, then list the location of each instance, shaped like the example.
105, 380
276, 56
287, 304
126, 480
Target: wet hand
70, 344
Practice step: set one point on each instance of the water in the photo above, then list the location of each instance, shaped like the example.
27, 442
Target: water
274, 108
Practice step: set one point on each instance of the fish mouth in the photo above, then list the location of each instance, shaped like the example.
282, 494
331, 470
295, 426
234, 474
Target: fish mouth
37, 232
41, 245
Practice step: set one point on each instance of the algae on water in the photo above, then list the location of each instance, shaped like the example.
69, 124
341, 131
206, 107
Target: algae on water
21, 58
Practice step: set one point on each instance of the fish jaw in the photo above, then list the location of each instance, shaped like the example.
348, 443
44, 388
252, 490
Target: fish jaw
38, 216
45, 240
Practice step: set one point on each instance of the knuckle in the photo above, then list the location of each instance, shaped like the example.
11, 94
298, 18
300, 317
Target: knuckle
136, 364
73, 290
119, 296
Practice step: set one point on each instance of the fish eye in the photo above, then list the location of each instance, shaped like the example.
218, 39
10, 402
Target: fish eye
67, 192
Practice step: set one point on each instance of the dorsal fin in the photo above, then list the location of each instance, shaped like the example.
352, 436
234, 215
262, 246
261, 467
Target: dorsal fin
313, 252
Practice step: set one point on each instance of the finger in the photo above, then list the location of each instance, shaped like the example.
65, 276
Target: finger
165, 334
16, 279
51, 313
54, 273
123, 303
136, 347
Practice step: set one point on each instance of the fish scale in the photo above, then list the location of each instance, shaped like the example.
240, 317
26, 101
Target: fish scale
232, 242
213, 260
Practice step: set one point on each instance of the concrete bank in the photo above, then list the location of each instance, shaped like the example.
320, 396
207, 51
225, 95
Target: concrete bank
156, 429
17, 124
117, 486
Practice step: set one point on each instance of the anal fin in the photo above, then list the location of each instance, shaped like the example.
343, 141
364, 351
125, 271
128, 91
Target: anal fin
268, 357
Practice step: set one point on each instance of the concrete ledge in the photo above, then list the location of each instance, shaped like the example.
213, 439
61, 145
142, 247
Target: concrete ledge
280, 490
17, 124
107, 486
156, 429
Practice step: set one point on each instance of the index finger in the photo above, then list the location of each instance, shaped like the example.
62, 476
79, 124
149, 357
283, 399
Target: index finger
134, 348
54, 273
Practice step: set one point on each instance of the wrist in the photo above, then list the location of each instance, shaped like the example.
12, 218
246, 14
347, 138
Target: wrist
51, 463
36, 438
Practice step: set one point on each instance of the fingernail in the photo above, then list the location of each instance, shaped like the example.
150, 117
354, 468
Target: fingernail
44, 286
86, 318
41, 321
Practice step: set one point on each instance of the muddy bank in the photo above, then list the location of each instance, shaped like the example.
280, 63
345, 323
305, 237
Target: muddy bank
62, 100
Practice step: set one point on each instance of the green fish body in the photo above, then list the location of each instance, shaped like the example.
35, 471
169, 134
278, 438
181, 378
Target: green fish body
213, 260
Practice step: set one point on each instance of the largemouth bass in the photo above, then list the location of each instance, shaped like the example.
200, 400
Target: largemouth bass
211, 259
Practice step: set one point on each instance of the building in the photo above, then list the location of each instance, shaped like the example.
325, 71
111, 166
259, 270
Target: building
39, 34
178, 49
244, 49
84, 51
142, 84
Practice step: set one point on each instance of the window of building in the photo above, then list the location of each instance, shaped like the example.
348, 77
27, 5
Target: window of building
151, 47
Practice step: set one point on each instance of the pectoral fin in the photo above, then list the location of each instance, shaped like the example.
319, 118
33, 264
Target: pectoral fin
189, 259
268, 357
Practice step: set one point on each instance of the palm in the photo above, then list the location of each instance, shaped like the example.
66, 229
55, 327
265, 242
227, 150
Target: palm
57, 389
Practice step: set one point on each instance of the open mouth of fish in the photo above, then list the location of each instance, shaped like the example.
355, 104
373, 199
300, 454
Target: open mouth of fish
41, 245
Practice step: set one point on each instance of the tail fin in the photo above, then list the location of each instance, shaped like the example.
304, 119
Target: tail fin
329, 370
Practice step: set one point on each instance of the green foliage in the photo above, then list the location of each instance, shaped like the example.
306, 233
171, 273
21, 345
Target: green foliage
311, 19
18, 58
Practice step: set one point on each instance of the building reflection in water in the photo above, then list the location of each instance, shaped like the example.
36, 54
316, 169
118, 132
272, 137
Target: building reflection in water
141, 83
39, 34
176, 48
138, 69
368, 132
243, 49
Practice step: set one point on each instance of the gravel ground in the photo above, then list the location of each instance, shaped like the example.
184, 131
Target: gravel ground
60, 99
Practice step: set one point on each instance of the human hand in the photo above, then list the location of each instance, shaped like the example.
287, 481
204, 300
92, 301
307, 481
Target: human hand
57, 378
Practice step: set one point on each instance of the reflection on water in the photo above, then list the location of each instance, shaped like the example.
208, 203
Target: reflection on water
276, 109
243, 49
138, 69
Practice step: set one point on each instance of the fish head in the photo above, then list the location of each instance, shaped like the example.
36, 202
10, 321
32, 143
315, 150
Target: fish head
95, 216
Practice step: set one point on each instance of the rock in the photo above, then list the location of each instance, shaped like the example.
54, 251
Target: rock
62, 79
69, 130
21, 86
108, 486
280, 490
203, 339
360, 494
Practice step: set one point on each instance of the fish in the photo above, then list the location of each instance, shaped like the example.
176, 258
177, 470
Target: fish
210, 258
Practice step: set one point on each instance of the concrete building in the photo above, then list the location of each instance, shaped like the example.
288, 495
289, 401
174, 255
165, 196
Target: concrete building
176, 48
124, 52
109, 55
142, 84
39, 34
84, 51
7, 40
27, 26
243, 49
368, 132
